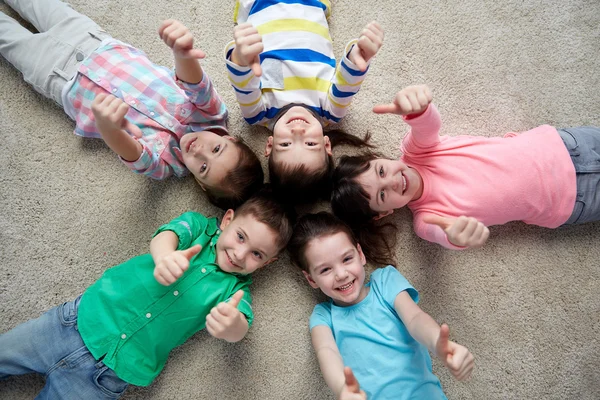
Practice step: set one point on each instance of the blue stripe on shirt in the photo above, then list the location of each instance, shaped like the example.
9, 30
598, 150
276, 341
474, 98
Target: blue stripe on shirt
353, 72
261, 5
235, 71
240, 91
300, 55
338, 93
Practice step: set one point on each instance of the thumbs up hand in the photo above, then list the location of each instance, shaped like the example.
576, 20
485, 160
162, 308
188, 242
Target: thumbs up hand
458, 359
351, 389
462, 231
226, 322
172, 266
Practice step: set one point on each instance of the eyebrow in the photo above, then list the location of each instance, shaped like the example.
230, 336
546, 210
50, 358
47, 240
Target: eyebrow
264, 253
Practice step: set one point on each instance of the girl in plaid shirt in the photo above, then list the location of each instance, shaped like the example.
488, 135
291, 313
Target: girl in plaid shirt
160, 122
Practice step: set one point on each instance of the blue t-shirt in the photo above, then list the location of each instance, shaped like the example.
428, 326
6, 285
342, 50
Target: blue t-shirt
387, 362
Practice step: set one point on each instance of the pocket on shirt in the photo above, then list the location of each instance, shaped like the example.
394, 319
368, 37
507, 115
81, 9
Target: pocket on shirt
108, 382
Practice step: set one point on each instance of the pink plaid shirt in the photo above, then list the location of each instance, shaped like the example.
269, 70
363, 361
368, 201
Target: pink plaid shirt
162, 106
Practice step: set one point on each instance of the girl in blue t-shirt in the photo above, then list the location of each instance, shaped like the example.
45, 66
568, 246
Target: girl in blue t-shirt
376, 330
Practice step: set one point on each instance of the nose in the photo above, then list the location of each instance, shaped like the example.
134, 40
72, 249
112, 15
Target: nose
298, 130
341, 274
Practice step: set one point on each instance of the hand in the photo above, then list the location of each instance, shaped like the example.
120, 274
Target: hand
462, 231
110, 112
458, 359
248, 46
409, 101
351, 389
225, 321
173, 265
179, 38
369, 43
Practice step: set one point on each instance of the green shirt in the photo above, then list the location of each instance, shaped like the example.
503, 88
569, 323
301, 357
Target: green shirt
135, 322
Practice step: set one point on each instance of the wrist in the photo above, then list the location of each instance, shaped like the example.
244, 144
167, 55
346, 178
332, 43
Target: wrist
236, 59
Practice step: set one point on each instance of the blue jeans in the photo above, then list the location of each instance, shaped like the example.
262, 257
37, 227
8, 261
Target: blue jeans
51, 345
583, 144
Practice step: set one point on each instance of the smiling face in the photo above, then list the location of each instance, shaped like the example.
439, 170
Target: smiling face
245, 244
391, 184
208, 156
336, 267
298, 139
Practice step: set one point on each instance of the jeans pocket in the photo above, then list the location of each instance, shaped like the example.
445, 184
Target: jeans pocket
577, 213
108, 382
68, 311
570, 141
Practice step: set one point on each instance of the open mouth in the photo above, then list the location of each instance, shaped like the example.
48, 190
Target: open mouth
231, 261
347, 287
404, 184
189, 145
297, 120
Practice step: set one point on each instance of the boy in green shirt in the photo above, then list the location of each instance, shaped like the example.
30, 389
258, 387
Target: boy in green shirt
123, 327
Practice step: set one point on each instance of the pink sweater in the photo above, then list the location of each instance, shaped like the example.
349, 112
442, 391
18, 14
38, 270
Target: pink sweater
525, 177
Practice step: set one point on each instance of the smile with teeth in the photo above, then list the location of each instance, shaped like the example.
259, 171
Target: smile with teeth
231, 261
403, 183
189, 145
345, 287
297, 120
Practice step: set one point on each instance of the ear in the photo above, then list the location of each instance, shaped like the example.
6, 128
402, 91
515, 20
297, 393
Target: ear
328, 145
233, 139
227, 218
383, 214
200, 183
310, 280
272, 260
361, 255
269, 146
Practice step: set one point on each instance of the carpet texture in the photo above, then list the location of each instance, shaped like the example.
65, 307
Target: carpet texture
526, 304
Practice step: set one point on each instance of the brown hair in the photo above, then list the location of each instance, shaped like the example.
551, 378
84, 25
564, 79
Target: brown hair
265, 208
313, 226
300, 184
350, 202
241, 182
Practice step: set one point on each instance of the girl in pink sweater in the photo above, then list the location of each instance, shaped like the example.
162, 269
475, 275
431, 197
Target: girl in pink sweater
458, 186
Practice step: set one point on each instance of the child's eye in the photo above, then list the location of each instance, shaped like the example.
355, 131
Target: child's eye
381, 172
324, 270
217, 148
382, 195
203, 167
257, 255
311, 143
346, 259
284, 144
240, 236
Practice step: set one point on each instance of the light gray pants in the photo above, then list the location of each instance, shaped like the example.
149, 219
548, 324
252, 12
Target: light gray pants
48, 59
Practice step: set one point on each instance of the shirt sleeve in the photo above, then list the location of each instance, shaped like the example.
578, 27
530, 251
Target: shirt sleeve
345, 84
390, 283
247, 89
188, 227
432, 233
321, 315
150, 163
424, 131
206, 99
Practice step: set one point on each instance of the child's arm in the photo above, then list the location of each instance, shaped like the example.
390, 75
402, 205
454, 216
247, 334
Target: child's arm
329, 357
109, 112
226, 322
462, 232
170, 263
351, 71
242, 57
458, 359
413, 104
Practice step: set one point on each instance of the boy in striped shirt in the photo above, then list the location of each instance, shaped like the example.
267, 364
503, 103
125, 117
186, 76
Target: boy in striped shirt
283, 70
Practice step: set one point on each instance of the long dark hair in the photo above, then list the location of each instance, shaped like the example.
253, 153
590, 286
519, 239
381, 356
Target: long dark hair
350, 202
300, 185
313, 226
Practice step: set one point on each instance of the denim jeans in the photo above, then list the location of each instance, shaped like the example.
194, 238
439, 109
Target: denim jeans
50, 58
52, 346
583, 144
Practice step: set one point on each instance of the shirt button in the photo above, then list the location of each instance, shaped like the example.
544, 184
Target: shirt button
114, 90
176, 293
132, 102
98, 79
152, 113
203, 270
148, 315
123, 336
79, 56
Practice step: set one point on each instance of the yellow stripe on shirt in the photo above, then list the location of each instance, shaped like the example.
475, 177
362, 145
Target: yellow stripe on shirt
282, 25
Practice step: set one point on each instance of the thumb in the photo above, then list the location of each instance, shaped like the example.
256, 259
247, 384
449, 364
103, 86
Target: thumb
133, 129
196, 53
442, 345
360, 62
442, 222
192, 251
390, 108
236, 298
256, 68
351, 382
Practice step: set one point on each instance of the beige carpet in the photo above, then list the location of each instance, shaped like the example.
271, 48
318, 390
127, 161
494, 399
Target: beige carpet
526, 305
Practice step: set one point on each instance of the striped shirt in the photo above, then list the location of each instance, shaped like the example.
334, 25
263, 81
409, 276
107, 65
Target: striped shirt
162, 106
298, 64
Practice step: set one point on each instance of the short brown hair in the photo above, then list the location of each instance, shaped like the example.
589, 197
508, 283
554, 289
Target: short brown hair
313, 226
241, 182
265, 208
